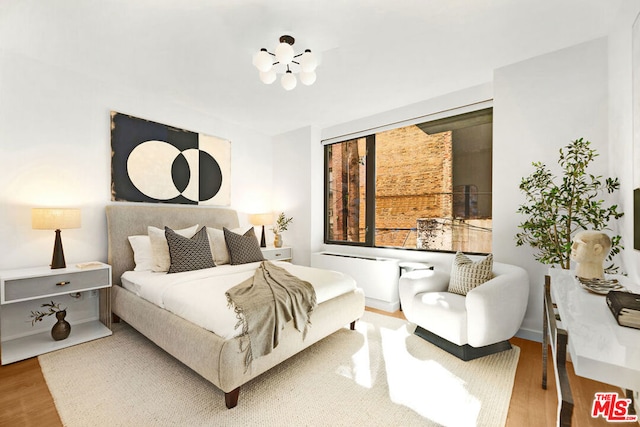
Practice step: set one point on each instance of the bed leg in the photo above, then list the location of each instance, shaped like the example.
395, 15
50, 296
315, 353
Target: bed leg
352, 326
231, 398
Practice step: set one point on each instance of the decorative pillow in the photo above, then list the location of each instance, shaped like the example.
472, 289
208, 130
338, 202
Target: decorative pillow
466, 274
141, 246
188, 254
244, 248
219, 245
160, 249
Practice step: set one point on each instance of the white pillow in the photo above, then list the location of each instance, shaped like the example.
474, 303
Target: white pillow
141, 246
219, 245
161, 261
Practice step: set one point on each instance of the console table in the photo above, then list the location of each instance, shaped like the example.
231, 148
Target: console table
600, 349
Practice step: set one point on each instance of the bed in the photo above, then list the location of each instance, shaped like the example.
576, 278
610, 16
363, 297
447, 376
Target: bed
218, 359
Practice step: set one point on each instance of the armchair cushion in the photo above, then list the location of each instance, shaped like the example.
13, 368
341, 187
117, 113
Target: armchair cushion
466, 274
442, 313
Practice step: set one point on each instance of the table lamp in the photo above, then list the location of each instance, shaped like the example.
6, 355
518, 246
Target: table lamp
261, 219
55, 219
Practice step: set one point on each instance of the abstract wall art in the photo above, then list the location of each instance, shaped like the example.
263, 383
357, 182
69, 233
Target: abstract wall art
152, 162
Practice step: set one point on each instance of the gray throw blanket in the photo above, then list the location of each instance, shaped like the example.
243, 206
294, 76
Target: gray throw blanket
266, 302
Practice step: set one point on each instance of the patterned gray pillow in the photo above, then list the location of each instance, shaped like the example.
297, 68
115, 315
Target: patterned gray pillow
466, 274
242, 249
188, 254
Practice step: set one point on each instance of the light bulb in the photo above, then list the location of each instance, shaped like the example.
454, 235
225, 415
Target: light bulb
307, 77
262, 60
284, 53
268, 77
308, 61
288, 81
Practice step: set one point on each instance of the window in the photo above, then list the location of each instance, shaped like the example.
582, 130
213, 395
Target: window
424, 186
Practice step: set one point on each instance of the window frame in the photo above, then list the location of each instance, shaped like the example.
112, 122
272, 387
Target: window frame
370, 206
370, 188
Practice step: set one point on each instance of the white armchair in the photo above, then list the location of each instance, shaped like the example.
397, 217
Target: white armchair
470, 326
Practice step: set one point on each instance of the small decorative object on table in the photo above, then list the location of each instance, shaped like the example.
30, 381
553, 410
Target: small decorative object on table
62, 328
600, 286
589, 249
282, 223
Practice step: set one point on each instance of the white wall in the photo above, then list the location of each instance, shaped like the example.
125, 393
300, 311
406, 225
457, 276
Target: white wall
540, 105
55, 151
621, 149
292, 189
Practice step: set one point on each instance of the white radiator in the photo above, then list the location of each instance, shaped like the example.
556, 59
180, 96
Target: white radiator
377, 277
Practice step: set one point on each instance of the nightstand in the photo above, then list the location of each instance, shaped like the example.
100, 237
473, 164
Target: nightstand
272, 253
84, 292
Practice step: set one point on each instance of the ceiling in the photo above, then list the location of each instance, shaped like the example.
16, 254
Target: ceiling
375, 55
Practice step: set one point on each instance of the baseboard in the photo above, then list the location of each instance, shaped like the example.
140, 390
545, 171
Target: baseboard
463, 352
529, 334
390, 307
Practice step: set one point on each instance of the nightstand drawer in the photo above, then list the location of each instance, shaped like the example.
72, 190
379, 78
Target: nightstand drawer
41, 286
274, 254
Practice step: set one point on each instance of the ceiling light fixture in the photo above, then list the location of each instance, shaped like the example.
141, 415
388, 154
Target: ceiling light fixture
285, 60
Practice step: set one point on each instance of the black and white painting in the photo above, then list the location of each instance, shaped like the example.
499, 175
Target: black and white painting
157, 163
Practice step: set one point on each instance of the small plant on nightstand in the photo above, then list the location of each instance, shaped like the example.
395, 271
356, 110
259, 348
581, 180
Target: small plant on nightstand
281, 225
37, 316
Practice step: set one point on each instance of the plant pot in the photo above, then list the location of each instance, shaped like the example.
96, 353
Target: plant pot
62, 328
277, 241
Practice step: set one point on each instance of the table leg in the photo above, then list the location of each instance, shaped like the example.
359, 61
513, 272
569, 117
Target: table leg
632, 407
545, 334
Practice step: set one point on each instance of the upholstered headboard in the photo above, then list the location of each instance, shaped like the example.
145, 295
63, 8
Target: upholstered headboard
127, 220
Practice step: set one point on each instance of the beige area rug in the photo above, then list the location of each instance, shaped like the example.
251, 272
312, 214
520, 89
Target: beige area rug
379, 374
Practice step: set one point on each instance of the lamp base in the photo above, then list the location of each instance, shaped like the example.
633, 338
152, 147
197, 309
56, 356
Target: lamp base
57, 261
263, 239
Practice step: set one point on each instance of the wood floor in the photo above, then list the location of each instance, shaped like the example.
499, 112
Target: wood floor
25, 399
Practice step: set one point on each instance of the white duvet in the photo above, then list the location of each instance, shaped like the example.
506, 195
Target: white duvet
199, 296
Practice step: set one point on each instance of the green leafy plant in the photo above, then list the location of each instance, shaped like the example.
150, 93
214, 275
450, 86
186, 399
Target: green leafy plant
282, 223
556, 211
37, 316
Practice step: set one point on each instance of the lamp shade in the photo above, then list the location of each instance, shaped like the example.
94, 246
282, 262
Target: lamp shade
308, 61
288, 81
55, 218
261, 218
268, 77
262, 60
307, 77
284, 53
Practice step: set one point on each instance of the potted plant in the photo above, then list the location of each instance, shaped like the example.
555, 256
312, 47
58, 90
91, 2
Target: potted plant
61, 329
282, 223
555, 211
